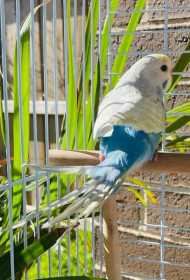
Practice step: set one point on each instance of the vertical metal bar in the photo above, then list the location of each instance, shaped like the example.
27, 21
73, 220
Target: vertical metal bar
84, 112
166, 6
33, 91
100, 46
66, 65
165, 50
101, 96
19, 85
109, 81
45, 76
101, 241
49, 215
162, 233
55, 85
66, 99
75, 41
162, 194
7, 133
92, 62
77, 251
85, 247
109, 44
55, 81
109, 65
93, 119
93, 246
45, 79
75, 45
83, 72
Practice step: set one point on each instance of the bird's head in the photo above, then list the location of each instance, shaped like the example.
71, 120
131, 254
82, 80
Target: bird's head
153, 69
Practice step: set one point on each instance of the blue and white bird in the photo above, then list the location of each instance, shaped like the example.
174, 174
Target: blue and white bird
129, 124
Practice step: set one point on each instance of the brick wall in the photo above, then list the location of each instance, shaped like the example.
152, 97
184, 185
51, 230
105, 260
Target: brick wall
133, 233
140, 244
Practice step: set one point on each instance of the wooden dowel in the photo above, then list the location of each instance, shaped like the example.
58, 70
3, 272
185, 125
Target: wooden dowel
163, 162
73, 158
111, 239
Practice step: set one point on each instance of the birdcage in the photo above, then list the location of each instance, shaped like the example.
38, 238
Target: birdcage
58, 59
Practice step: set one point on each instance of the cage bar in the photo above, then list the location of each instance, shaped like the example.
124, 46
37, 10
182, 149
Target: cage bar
151, 228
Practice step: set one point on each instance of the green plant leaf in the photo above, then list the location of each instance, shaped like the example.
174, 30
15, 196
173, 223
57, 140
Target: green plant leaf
97, 77
2, 122
180, 122
138, 195
183, 110
177, 118
127, 40
114, 4
71, 121
90, 38
25, 91
145, 187
76, 236
27, 23
25, 257
93, 109
180, 66
17, 144
177, 140
90, 110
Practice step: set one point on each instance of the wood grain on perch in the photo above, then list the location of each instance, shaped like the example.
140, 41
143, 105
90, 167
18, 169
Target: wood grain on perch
163, 162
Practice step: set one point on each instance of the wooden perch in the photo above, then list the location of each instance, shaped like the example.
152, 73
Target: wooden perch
111, 239
73, 158
163, 162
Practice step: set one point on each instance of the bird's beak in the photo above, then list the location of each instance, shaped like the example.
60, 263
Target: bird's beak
166, 83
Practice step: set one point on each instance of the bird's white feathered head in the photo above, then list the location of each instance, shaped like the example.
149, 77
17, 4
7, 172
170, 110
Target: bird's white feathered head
153, 69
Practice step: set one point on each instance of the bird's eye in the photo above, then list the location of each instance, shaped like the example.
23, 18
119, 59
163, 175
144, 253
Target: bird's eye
164, 68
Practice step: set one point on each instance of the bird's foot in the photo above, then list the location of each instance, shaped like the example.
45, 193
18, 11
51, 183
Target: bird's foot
101, 157
155, 157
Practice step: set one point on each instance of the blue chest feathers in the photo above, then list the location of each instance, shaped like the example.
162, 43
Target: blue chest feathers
124, 149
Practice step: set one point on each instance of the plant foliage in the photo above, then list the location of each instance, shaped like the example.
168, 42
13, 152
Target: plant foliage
82, 103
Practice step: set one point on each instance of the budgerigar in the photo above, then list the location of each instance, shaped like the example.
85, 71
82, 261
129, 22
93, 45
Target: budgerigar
129, 124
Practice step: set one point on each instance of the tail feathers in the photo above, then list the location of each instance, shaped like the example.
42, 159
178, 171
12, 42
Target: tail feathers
72, 196
81, 170
91, 197
104, 174
99, 201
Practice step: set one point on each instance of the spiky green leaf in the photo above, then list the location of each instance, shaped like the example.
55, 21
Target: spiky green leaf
126, 43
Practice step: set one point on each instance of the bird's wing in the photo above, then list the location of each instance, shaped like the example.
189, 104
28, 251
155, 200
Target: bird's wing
127, 105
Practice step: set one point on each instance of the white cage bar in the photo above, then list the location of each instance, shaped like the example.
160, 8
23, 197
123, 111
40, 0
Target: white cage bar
47, 110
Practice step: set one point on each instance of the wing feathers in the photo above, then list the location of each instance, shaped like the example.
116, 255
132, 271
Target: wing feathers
126, 105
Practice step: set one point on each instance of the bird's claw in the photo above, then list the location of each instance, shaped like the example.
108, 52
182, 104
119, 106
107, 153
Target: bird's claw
155, 157
101, 157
